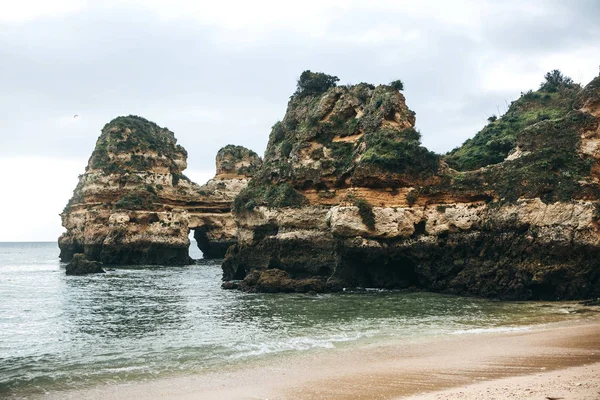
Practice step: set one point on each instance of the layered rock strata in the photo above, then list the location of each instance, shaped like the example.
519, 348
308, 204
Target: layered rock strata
213, 224
134, 205
347, 197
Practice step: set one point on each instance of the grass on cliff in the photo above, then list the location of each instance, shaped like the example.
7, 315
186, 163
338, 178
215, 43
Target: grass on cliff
551, 167
492, 144
139, 200
365, 210
400, 153
272, 195
228, 155
144, 137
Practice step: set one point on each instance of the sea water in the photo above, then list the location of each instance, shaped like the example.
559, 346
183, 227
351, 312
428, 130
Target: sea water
62, 332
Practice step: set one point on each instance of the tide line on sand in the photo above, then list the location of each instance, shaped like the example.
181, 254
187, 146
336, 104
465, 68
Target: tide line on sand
550, 361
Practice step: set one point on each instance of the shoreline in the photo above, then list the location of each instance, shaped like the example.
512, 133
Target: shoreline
544, 358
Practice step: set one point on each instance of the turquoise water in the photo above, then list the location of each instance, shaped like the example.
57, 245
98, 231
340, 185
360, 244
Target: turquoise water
59, 332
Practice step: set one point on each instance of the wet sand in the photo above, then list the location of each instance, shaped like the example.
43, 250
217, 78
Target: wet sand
554, 360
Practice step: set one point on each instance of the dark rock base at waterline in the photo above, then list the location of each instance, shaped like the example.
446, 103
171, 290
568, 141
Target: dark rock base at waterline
132, 254
507, 265
211, 249
276, 281
80, 265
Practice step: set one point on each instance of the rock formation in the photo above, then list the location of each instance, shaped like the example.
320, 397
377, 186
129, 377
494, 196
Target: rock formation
80, 265
214, 228
133, 205
347, 197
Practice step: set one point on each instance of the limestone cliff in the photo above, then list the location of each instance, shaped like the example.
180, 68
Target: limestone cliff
214, 227
347, 197
133, 205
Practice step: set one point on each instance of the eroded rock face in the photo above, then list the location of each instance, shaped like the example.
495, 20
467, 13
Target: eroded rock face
134, 205
237, 161
381, 211
214, 227
524, 250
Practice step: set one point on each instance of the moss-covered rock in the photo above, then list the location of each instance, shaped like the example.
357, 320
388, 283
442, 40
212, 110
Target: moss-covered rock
132, 143
495, 141
399, 152
237, 160
326, 134
265, 194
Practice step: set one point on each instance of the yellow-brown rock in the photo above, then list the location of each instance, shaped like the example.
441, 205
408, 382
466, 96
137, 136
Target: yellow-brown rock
134, 205
347, 195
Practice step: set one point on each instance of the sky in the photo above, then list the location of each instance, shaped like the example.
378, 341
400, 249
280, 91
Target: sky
221, 72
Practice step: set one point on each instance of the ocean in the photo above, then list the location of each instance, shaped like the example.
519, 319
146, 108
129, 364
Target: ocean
134, 323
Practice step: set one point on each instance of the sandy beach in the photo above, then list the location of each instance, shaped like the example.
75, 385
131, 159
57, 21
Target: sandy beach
560, 360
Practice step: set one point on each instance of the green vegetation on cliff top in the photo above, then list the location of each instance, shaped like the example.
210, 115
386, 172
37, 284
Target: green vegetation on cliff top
493, 143
274, 195
137, 137
235, 151
314, 83
319, 112
551, 167
541, 125
228, 155
400, 153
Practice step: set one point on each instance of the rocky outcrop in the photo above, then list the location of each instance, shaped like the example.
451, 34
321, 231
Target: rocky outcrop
80, 265
214, 227
348, 197
134, 205
276, 281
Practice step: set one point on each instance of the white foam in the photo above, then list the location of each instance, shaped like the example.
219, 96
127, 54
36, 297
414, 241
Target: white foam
125, 369
294, 344
490, 330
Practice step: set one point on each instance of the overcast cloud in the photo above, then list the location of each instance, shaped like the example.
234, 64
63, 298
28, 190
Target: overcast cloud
222, 72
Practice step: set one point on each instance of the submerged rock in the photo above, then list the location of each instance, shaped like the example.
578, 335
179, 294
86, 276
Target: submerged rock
276, 280
80, 265
591, 302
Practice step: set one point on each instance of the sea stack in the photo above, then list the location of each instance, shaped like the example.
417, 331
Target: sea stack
348, 196
214, 227
134, 205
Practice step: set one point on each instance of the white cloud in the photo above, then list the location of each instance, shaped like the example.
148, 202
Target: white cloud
36, 191
521, 72
199, 176
221, 72
22, 11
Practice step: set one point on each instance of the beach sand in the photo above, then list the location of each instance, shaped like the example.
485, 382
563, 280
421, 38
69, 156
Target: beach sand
560, 360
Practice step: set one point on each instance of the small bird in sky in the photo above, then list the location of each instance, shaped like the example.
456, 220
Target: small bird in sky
76, 115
